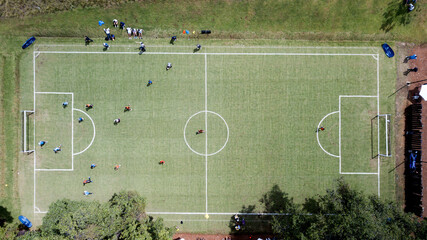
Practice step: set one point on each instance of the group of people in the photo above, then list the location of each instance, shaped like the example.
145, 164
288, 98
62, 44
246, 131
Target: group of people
407, 59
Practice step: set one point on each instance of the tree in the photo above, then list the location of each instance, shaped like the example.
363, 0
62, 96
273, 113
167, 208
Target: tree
344, 213
122, 217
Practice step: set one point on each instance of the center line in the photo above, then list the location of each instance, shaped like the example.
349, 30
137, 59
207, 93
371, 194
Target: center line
206, 131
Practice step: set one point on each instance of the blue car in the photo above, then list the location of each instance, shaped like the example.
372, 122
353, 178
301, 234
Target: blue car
28, 42
387, 50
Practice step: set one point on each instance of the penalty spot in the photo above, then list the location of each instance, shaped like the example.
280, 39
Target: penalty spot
206, 216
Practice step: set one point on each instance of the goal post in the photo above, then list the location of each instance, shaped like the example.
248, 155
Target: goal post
26, 146
380, 135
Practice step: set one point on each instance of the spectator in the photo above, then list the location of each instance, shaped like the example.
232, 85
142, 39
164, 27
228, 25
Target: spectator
122, 25
142, 47
113, 37
115, 23
173, 39
129, 31
411, 7
107, 31
140, 33
106, 46
412, 57
134, 33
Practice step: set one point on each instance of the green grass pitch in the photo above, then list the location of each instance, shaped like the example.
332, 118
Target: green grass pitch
260, 108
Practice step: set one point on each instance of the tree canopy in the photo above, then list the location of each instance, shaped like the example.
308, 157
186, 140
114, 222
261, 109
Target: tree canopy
122, 217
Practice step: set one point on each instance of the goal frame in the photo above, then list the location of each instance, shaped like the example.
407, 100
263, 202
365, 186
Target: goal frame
25, 145
387, 119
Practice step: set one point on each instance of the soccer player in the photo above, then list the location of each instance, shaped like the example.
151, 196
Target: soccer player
89, 106
87, 181
92, 166
64, 104
149, 83
57, 149
88, 40
200, 131
115, 23
169, 66
320, 129
173, 39
117, 167
80, 119
142, 47
116, 121
162, 162
128, 108
42, 143
106, 46
122, 25
86, 193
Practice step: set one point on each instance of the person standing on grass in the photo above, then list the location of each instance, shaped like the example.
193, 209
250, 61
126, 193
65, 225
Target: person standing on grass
200, 131
116, 121
107, 31
88, 40
149, 83
87, 181
162, 162
168, 66
115, 23
89, 106
320, 129
86, 193
140, 33
80, 119
42, 143
106, 46
173, 39
128, 108
117, 167
122, 25
92, 166
64, 104
142, 47
57, 149
129, 31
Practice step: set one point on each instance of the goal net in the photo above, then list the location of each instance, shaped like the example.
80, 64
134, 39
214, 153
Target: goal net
380, 135
27, 147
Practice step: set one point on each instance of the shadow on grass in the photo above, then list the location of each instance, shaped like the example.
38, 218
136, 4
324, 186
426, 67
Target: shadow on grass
396, 13
5, 216
274, 201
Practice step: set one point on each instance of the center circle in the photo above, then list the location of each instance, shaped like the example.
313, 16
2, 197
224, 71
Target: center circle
206, 154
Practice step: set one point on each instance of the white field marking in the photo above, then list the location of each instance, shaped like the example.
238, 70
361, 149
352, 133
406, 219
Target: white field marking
54, 170
206, 131
225, 213
36, 209
218, 46
237, 54
359, 96
210, 154
375, 56
37, 54
34, 129
72, 131
94, 131
70, 93
378, 113
339, 133
359, 173
317, 135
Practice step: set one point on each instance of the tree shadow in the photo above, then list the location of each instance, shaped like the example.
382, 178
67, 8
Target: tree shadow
256, 221
396, 13
5, 216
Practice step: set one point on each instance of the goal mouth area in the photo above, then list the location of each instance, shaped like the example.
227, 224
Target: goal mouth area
26, 138
380, 136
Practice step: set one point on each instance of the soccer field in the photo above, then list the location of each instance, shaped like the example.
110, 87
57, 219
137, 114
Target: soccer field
260, 108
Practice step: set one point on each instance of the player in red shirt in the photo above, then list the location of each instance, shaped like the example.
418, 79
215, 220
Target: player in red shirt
200, 131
